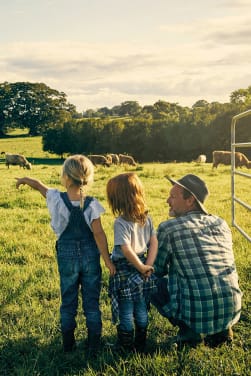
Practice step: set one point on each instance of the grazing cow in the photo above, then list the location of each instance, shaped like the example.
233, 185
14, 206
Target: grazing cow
224, 157
98, 159
127, 159
109, 158
17, 160
201, 158
115, 158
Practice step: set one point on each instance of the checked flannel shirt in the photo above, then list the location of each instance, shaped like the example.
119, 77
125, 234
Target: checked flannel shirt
128, 283
195, 255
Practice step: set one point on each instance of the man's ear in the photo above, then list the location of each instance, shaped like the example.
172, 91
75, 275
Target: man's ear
192, 203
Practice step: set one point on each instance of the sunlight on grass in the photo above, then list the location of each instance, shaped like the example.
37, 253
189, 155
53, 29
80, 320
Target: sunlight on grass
30, 341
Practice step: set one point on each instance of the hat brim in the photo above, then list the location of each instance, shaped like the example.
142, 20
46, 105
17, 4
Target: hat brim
183, 186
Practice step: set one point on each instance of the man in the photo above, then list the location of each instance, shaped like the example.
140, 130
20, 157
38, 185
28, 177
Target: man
198, 286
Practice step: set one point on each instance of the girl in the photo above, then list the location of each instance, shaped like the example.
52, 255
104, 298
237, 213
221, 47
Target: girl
80, 240
134, 237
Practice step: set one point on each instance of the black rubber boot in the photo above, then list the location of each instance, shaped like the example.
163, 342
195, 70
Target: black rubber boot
93, 344
218, 339
140, 339
125, 341
69, 343
186, 336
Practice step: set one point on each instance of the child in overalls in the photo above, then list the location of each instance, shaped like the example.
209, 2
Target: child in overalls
134, 252
80, 241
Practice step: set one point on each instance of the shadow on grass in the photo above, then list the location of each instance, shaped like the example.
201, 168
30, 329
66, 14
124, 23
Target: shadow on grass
46, 161
31, 356
40, 161
28, 356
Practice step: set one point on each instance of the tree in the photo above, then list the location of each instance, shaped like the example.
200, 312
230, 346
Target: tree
53, 141
200, 103
241, 96
129, 108
32, 105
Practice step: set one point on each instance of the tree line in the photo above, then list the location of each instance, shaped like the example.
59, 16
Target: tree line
160, 132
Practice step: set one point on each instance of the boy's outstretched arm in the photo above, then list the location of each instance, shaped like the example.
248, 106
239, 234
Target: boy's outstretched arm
33, 183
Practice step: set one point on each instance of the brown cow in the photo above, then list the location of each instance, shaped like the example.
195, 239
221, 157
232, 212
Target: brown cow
98, 159
127, 159
224, 157
115, 159
109, 158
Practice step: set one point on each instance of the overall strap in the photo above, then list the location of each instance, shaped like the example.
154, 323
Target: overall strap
77, 227
68, 203
66, 200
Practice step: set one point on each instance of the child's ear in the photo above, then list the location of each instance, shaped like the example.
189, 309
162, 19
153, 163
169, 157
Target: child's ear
64, 180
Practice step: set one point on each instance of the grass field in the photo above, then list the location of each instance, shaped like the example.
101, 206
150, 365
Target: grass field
30, 340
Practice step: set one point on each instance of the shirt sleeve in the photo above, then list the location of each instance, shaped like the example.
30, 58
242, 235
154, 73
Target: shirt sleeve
94, 210
161, 264
58, 211
122, 233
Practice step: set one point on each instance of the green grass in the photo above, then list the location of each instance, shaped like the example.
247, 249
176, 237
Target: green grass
30, 341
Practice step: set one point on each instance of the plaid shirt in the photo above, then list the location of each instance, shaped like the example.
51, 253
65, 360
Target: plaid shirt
128, 284
195, 254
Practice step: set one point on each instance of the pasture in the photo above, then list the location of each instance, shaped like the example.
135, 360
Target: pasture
30, 340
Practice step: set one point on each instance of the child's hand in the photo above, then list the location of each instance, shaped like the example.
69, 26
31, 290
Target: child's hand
19, 181
111, 267
148, 273
147, 270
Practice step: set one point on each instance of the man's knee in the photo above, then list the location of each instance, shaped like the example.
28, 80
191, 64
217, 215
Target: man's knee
161, 297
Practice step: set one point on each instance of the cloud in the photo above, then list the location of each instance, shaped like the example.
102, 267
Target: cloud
97, 75
223, 30
233, 31
237, 3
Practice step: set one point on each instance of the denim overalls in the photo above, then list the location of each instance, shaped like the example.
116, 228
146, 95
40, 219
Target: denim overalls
79, 265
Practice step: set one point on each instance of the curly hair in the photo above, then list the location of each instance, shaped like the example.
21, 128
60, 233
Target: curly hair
126, 197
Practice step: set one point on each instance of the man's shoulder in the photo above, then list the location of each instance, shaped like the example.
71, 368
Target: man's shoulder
168, 224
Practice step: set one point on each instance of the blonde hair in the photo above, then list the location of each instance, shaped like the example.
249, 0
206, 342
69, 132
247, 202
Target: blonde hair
80, 170
126, 197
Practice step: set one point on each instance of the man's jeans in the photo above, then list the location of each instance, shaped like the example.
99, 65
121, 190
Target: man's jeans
79, 266
132, 311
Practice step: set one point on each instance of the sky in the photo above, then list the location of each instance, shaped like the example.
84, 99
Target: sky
101, 53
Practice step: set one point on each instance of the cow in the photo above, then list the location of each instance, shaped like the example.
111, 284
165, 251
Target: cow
115, 158
109, 158
201, 158
17, 160
98, 159
127, 159
224, 157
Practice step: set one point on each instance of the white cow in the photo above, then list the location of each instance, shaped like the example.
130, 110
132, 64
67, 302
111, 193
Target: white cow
201, 158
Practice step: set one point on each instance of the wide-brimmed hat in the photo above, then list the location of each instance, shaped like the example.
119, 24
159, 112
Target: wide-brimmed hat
195, 186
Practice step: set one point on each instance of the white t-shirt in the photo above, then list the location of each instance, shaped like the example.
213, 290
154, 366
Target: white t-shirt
60, 214
131, 233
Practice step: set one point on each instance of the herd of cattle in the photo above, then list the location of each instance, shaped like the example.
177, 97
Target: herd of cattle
219, 157
109, 159
97, 159
224, 157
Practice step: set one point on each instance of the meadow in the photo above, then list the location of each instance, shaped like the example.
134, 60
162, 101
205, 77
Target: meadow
30, 339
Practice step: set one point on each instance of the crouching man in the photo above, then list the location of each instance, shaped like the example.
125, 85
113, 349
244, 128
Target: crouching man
198, 283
